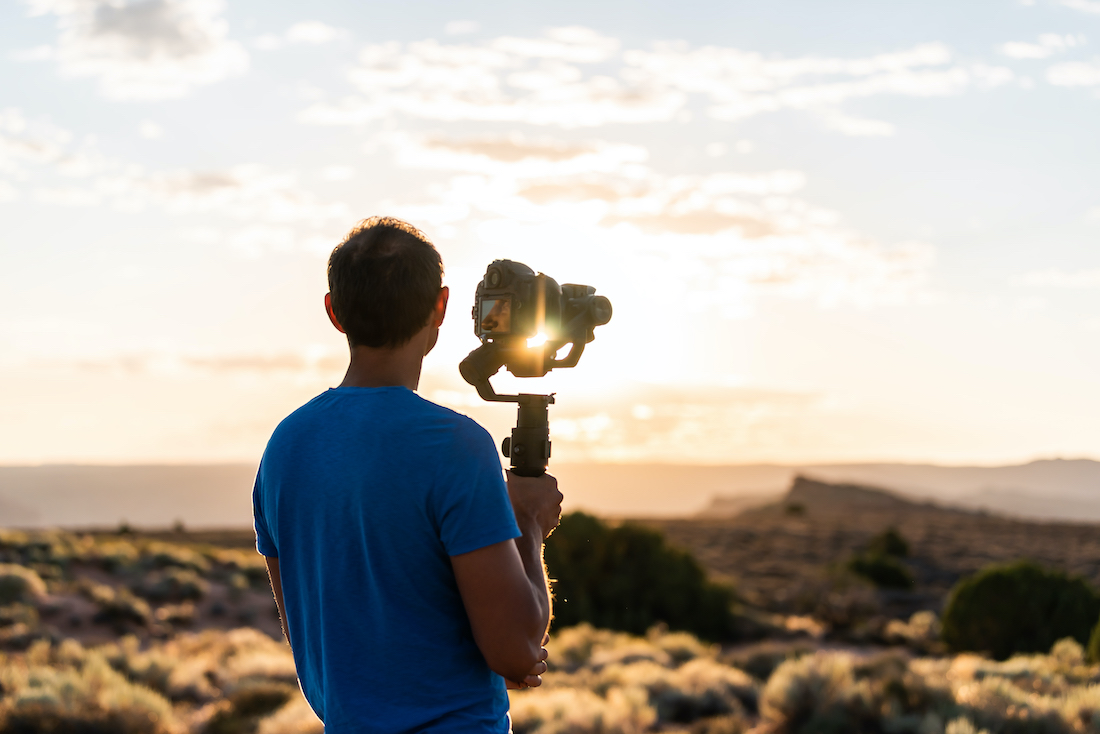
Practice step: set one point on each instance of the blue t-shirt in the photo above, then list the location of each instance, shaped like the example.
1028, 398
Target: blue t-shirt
364, 494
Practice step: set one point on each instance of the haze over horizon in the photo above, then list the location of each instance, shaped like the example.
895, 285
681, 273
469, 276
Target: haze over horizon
832, 232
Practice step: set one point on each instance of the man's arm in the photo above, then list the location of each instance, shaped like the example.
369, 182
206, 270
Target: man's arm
504, 587
277, 589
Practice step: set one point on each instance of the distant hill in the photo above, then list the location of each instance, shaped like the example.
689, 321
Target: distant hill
781, 558
219, 495
817, 499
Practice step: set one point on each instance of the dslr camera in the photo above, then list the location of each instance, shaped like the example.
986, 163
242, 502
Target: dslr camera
524, 320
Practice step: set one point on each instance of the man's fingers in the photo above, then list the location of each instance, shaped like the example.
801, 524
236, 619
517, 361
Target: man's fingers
533, 681
542, 652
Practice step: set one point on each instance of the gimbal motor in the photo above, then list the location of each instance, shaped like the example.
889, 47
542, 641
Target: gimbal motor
523, 320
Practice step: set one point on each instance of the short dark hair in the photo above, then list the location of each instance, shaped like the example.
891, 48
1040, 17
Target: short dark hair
384, 279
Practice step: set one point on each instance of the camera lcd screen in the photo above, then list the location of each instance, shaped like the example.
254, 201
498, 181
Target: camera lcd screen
496, 315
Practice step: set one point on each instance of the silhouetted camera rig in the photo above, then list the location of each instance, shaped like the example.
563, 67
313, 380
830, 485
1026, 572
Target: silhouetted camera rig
523, 321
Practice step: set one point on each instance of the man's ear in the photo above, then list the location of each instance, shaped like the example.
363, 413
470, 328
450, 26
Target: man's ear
440, 310
331, 315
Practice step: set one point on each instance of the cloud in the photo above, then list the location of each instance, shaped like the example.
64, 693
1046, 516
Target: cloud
152, 49
1085, 6
337, 173
308, 32
722, 237
302, 363
1074, 74
53, 167
1047, 45
246, 191
662, 423
552, 81
1054, 278
150, 130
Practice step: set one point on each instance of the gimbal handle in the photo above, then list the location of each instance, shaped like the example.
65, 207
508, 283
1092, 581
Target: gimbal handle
529, 445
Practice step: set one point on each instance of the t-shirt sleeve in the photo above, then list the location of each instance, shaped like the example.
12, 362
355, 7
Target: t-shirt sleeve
471, 498
264, 543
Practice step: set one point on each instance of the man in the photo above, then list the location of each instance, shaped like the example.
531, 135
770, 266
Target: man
409, 577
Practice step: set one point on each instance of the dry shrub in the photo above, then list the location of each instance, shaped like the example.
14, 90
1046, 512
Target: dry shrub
173, 584
168, 555
816, 687
580, 711
67, 690
114, 555
296, 717
921, 632
180, 615
206, 666
250, 564
702, 689
598, 673
761, 659
116, 606
963, 725
20, 584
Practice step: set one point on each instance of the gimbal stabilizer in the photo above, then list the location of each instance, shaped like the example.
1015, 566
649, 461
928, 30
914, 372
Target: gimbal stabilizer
523, 320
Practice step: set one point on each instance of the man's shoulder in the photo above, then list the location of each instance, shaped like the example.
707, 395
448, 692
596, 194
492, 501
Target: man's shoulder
395, 406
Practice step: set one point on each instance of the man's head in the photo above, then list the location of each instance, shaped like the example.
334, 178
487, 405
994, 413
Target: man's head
385, 282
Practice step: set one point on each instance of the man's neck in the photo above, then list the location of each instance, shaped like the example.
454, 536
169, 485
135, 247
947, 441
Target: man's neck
386, 367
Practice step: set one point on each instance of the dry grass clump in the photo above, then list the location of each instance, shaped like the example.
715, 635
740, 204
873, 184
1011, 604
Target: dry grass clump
603, 681
68, 689
235, 682
20, 584
1057, 693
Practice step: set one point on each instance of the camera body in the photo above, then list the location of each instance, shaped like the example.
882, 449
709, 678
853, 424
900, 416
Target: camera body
531, 317
523, 320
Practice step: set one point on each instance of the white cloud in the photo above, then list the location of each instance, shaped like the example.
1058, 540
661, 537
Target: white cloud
1085, 6
46, 161
1074, 74
1054, 278
153, 49
150, 130
250, 192
337, 173
8, 192
307, 32
312, 32
1047, 45
550, 81
461, 27
715, 239
37, 53
857, 126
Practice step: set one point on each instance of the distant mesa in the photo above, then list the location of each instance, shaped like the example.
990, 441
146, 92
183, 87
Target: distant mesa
815, 498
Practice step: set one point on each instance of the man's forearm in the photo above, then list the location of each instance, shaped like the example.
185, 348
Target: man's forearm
530, 545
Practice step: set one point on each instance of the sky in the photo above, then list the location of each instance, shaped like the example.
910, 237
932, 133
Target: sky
831, 231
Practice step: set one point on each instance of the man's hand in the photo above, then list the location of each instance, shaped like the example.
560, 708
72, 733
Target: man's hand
536, 501
534, 678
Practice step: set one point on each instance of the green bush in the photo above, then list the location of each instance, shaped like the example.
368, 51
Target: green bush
884, 571
888, 543
627, 578
1018, 608
1093, 648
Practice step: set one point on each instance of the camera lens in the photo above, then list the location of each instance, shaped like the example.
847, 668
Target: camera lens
600, 310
